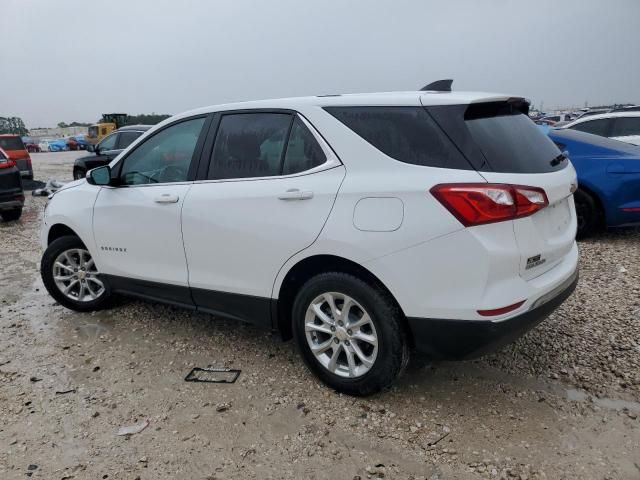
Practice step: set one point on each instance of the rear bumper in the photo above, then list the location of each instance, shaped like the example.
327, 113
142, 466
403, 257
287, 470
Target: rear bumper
463, 339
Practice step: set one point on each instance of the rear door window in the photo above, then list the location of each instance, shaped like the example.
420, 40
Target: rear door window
625, 127
407, 134
249, 145
595, 127
126, 139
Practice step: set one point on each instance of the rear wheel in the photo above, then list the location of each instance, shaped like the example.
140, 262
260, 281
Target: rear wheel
350, 333
11, 215
71, 277
588, 214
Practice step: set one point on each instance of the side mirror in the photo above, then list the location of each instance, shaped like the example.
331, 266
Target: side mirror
100, 176
91, 148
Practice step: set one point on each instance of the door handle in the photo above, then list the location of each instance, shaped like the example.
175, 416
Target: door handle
167, 198
296, 194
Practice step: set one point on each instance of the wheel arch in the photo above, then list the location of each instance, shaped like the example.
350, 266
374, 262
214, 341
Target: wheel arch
313, 265
60, 230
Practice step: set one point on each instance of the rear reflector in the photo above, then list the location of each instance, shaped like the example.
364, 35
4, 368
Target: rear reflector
631, 209
482, 203
500, 311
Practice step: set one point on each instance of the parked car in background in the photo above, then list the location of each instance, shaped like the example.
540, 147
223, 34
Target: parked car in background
30, 144
361, 225
107, 149
11, 193
608, 179
58, 145
623, 126
13, 146
553, 119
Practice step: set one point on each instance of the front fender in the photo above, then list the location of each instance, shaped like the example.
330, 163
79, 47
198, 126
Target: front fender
73, 208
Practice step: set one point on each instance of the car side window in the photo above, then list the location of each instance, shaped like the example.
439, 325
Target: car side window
165, 157
126, 139
303, 152
249, 145
626, 126
595, 127
108, 143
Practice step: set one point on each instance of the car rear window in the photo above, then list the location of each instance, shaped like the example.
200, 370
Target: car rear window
499, 137
11, 143
407, 134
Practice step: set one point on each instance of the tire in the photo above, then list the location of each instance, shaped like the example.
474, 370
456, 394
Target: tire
11, 215
588, 213
91, 297
385, 325
79, 173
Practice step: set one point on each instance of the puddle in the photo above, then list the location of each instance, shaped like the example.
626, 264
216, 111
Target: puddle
575, 395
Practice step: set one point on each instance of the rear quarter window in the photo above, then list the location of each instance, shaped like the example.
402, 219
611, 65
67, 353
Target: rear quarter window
499, 137
407, 134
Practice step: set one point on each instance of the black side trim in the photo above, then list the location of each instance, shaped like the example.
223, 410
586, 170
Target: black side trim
236, 306
464, 339
158, 292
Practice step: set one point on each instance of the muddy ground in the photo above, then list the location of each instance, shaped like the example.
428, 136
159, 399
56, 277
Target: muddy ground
561, 403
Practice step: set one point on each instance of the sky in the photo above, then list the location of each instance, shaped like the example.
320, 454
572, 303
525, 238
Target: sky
71, 60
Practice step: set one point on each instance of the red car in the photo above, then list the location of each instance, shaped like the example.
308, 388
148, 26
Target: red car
15, 149
11, 194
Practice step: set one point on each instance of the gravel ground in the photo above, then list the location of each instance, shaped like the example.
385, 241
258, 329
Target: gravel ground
560, 403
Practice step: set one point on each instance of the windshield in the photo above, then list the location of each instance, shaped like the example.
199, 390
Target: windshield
93, 131
11, 143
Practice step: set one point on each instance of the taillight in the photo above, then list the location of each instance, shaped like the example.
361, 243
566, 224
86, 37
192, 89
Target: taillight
6, 163
481, 203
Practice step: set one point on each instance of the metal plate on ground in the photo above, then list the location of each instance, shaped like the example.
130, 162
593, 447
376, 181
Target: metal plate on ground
212, 375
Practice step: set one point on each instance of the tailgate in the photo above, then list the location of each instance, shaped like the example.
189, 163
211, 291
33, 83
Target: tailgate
547, 236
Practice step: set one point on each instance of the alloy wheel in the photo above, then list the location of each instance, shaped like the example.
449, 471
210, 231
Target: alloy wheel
76, 276
341, 335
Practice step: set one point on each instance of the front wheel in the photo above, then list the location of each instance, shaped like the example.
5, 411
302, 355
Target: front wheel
70, 275
79, 174
350, 333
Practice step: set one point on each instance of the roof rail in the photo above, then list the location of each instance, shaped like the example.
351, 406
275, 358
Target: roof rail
438, 86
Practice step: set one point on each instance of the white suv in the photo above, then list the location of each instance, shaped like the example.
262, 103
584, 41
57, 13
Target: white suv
361, 225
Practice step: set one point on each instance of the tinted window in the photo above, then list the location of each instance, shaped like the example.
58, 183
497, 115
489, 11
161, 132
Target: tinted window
595, 127
164, 157
407, 134
11, 143
303, 152
626, 126
108, 143
249, 145
127, 138
499, 137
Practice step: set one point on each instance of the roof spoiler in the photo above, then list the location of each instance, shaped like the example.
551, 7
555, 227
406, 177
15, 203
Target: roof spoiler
438, 86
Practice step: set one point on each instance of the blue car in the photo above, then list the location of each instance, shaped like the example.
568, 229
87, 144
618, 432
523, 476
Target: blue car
58, 145
608, 179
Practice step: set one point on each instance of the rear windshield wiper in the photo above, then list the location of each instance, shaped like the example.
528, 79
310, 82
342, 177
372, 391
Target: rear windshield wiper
558, 160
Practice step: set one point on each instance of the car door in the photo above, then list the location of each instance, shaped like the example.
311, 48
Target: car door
136, 224
269, 187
